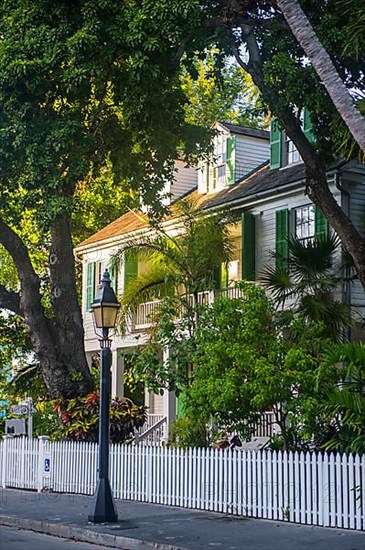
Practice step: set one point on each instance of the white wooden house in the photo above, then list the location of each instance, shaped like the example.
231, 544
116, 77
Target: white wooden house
264, 183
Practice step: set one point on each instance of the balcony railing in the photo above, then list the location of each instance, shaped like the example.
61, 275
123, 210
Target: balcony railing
146, 314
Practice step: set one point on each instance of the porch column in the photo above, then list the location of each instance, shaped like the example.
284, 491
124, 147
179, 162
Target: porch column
117, 386
169, 402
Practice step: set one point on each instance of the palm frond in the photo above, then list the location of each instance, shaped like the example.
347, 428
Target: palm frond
278, 283
312, 258
333, 314
153, 284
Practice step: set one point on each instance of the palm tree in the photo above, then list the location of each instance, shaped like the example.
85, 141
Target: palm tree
323, 65
306, 281
182, 264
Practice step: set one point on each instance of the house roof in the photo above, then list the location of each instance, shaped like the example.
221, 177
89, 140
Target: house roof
261, 180
252, 132
131, 221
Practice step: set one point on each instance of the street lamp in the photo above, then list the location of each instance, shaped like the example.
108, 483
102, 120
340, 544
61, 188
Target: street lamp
105, 309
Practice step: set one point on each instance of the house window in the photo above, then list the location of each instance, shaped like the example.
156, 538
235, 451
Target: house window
221, 150
100, 268
305, 222
292, 153
221, 175
217, 174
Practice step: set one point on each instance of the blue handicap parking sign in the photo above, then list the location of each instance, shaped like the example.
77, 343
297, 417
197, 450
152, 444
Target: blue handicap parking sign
47, 464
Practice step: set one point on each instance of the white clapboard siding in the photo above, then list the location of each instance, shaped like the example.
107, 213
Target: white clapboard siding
250, 153
185, 179
303, 487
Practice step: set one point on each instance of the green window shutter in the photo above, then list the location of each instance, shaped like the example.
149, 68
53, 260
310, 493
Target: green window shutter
230, 159
130, 266
224, 275
90, 285
282, 234
275, 145
113, 270
320, 223
307, 125
248, 246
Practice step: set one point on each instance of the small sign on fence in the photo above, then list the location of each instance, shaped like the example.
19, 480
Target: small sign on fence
47, 466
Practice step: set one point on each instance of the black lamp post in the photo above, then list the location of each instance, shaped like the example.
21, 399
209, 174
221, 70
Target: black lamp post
105, 310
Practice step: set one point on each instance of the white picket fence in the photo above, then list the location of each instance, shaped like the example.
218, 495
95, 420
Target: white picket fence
309, 488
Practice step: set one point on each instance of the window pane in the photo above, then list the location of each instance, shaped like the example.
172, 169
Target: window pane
304, 222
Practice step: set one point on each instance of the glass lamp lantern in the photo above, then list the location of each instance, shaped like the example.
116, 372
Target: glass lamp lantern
105, 305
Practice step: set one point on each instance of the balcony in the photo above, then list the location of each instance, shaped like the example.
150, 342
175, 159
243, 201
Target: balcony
146, 314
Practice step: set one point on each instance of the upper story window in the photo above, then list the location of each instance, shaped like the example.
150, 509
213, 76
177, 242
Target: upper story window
220, 152
305, 227
220, 169
217, 177
282, 150
292, 153
217, 170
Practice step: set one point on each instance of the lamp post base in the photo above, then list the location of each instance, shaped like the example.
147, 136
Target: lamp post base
103, 508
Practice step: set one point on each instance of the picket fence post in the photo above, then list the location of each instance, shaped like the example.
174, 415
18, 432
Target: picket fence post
44, 462
4, 467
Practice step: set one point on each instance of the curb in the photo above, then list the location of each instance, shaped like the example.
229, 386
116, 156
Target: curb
83, 534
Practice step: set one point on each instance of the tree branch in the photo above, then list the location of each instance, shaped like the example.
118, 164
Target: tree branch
10, 300
19, 253
30, 303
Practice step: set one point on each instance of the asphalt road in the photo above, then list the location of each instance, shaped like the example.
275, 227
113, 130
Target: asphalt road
17, 539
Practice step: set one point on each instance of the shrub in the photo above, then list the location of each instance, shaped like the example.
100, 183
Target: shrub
79, 418
186, 432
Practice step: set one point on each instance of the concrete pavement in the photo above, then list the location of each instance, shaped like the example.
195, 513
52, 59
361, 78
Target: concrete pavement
142, 526
12, 538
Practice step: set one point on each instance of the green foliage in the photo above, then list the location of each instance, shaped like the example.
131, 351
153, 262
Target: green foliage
234, 340
45, 420
188, 432
310, 282
98, 201
226, 95
344, 403
15, 347
182, 264
79, 418
83, 63
146, 364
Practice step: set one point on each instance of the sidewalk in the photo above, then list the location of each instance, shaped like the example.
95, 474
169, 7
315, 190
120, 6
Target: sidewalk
142, 526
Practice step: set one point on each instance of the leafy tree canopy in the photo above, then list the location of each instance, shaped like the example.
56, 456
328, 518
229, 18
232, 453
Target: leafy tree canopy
81, 82
226, 95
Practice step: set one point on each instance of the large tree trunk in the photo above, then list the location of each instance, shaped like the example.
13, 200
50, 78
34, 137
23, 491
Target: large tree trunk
322, 63
57, 341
